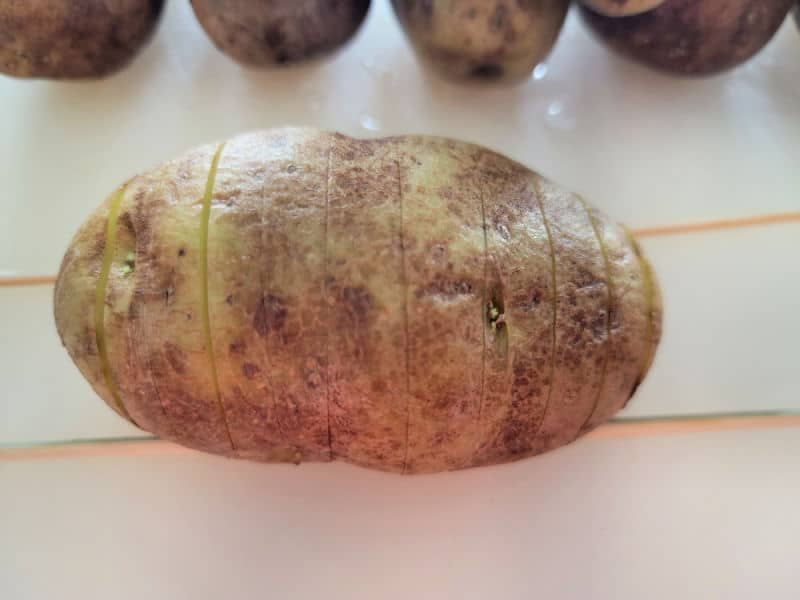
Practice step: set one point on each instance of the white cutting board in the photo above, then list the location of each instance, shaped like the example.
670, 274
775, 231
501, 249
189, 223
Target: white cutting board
646, 148
690, 517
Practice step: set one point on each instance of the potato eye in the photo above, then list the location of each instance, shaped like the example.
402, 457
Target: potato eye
129, 264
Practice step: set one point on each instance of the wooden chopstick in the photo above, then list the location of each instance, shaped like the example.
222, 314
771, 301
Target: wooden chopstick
629, 428
27, 281
703, 226
616, 429
110, 447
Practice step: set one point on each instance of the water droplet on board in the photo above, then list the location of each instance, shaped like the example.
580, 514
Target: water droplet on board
540, 72
370, 123
368, 63
373, 67
559, 116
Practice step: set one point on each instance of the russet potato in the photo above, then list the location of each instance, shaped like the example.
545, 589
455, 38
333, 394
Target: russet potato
412, 304
73, 39
276, 32
693, 37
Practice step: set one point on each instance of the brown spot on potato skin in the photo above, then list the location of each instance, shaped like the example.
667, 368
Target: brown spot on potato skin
60, 39
277, 32
74, 297
359, 327
250, 370
487, 71
357, 303
270, 316
693, 37
445, 288
175, 357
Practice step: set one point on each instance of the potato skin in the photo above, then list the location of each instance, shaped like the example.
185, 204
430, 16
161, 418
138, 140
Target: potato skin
621, 8
482, 40
693, 37
275, 32
412, 304
73, 39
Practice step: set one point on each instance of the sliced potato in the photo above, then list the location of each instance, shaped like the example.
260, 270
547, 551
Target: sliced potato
412, 304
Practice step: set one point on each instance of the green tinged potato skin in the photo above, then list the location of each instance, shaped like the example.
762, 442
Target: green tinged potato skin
73, 39
274, 32
163, 374
411, 304
478, 39
74, 298
443, 245
365, 295
693, 37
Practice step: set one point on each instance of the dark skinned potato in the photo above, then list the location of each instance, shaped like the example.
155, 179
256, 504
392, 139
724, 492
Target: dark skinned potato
693, 37
275, 32
411, 304
482, 39
73, 39
621, 8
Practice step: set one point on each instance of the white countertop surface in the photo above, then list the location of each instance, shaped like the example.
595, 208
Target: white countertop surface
689, 516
